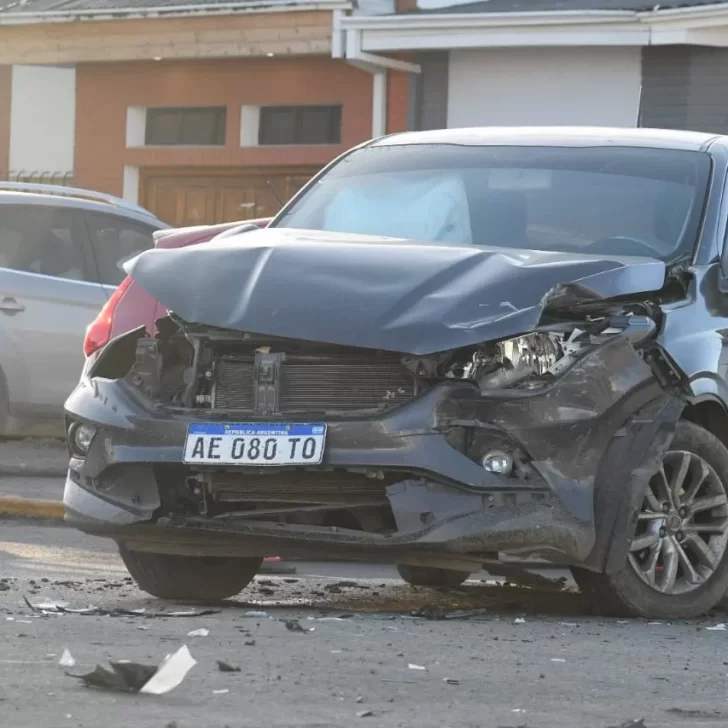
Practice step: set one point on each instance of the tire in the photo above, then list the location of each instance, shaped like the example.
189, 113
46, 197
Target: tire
699, 575
189, 578
432, 577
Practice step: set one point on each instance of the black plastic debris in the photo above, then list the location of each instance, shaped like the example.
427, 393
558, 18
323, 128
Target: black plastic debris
124, 677
226, 667
436, 613
133, 677
293, 625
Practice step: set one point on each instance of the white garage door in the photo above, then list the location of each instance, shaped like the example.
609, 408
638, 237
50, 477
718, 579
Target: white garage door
544, 86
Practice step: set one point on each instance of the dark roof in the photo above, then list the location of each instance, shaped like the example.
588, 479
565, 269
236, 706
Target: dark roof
554, 136
124, 7
536, 6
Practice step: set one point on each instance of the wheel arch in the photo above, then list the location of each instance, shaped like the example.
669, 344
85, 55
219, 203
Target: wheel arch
711, 414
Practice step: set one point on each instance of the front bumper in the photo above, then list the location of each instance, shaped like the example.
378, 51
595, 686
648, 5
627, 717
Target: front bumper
607, 406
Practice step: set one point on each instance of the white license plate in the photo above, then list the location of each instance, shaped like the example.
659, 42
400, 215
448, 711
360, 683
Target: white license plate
254, 444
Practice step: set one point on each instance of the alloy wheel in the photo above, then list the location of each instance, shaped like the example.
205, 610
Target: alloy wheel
682, 528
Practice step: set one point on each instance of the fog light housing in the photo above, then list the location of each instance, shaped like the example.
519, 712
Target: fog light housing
498, 462
80, 437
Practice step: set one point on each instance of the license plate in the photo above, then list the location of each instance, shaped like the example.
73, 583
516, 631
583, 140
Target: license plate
254, 444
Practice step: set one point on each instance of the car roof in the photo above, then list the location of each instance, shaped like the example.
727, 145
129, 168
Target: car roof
13, 197
570, 136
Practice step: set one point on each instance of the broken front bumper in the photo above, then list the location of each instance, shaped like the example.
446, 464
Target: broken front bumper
591, 439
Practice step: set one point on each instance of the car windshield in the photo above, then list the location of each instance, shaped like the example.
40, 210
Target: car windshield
597, 200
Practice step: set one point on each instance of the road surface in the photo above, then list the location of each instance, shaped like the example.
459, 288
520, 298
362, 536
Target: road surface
532, 659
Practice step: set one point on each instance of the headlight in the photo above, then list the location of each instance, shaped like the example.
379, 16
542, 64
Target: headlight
532, 355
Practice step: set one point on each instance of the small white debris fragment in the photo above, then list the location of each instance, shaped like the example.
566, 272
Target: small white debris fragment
360, 699
718, 628
519, 620
364, 714
199, 633
568, 624
67, 659
654, 624
259, 615
170, 673
412, 666
220, 692
25, 621
557, 659
142, 627
9, 619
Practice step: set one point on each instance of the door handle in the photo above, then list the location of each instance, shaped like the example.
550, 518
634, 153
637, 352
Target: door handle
11, 306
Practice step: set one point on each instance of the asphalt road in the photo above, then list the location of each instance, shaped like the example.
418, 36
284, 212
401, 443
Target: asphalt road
559, 667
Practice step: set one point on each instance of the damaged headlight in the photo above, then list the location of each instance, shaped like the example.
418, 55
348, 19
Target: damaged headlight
514, 360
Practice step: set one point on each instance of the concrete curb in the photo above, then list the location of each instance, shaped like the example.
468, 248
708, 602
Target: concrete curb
11, 505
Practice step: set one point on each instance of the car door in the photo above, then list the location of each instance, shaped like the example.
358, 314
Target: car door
48, 296
113, 240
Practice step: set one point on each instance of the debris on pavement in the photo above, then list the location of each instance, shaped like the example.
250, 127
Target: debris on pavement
364, 714
293, 625
256, 614
220, 692
437, 613
51, 607
202, 632
557, 659
133, 677
451, 681
412, 666
635, 723
67, 659
519, 620
722, 627
226, 667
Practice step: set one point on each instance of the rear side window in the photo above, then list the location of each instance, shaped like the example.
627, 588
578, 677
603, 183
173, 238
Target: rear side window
115, 240
43, 240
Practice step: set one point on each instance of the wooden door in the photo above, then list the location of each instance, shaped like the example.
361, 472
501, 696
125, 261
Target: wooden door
182, 199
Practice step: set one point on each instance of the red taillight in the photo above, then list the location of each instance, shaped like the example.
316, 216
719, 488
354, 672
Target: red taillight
99, 332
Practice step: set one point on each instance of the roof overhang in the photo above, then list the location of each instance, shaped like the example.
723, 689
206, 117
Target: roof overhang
705, 25
172, 11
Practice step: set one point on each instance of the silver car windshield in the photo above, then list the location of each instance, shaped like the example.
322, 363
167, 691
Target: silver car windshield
601, 200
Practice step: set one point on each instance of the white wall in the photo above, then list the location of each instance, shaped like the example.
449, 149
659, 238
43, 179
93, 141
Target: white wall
42, 119
544, 86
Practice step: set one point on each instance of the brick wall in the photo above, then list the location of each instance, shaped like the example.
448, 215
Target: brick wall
5, 100
104, 91
685, 87
243, 35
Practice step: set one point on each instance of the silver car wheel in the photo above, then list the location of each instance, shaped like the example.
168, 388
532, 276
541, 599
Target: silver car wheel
682, 528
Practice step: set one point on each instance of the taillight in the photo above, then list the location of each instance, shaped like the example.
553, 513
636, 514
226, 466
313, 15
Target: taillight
98, 333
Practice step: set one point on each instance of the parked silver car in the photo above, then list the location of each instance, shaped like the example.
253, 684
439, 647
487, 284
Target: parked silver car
60, 250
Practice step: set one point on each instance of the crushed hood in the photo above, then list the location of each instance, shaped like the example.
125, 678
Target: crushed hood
378, 292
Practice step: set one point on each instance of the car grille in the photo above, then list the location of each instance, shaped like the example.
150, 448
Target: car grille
299, 487
308, 384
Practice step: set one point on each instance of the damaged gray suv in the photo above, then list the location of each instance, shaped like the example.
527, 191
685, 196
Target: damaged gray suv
448, 348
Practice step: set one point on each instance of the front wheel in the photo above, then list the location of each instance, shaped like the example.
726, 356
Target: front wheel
432, 577
189, 578
677, 565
